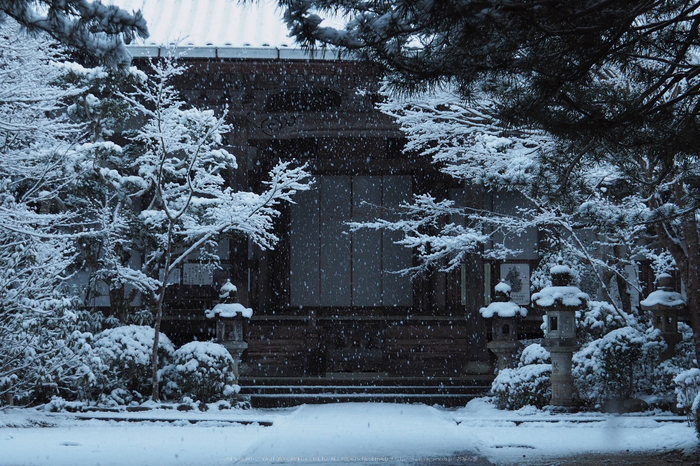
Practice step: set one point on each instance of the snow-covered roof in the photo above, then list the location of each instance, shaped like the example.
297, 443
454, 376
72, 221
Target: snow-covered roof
560, 269
503, 287
217, 29
568, 296
229, 310
502, 309
663, 298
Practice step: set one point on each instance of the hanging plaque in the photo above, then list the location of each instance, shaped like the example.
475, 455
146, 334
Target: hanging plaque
518, 277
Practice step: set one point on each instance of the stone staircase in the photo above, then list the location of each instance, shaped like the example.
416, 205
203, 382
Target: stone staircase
273, 392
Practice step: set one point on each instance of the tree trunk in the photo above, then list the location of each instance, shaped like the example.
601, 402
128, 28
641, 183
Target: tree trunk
691, 276
623, 287
155, 394
117, 303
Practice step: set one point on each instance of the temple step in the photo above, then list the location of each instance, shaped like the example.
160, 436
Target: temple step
268, 392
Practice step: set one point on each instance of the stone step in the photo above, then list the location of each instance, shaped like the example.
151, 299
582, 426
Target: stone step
278, 392
367, 379
354, 389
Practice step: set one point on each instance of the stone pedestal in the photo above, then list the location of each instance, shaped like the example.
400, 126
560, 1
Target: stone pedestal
505, 352
562, 380
236, 348
671, 340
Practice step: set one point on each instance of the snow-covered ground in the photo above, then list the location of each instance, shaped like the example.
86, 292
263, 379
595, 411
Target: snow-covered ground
357, 433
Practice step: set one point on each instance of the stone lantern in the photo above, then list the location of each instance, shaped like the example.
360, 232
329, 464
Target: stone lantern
665, 305
560, 303
503, 314
230, 318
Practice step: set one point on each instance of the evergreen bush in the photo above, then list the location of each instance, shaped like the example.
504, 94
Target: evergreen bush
528, 384
614, 367
523, 386
50, 359
202, 371
687, 388
122, 362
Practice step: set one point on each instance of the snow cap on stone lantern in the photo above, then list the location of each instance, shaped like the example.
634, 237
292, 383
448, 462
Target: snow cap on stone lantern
560, 302
664, 298
502, 306
228, 292
228, 306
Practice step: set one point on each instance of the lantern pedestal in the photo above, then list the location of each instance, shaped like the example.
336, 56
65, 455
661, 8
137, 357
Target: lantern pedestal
561, 378
505, 352
236, 348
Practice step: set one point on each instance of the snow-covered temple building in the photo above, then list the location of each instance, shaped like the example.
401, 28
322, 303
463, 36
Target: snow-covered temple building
326, 301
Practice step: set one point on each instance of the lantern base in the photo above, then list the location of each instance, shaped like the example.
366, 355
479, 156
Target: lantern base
671, 339
505, 352
236, 348
562, 381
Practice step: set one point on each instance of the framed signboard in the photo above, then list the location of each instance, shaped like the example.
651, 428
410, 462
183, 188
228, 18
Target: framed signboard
517, 275
196, 274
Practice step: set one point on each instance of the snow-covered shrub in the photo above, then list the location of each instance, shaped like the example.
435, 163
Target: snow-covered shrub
526, 385
49, 357
65, 372
685, 349
687, 387
613, 366
688, 395
664, 373
599, 319
122, 360
60, 404
203, 371
662, 385
534, 354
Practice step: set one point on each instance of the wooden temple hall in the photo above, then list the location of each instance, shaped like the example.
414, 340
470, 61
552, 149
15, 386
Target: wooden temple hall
328, 307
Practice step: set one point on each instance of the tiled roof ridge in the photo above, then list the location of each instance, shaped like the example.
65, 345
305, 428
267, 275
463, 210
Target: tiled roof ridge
217, 29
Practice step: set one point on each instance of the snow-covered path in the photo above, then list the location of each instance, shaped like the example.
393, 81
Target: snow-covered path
367, 433
355, 433
111, 443
345, 433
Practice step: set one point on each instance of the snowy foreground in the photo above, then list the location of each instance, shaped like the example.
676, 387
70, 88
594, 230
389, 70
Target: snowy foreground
355, 433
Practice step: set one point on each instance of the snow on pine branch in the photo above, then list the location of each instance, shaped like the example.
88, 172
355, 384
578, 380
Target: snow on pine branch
561, 189
441, 232
99, 29
253, 214
464, 139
